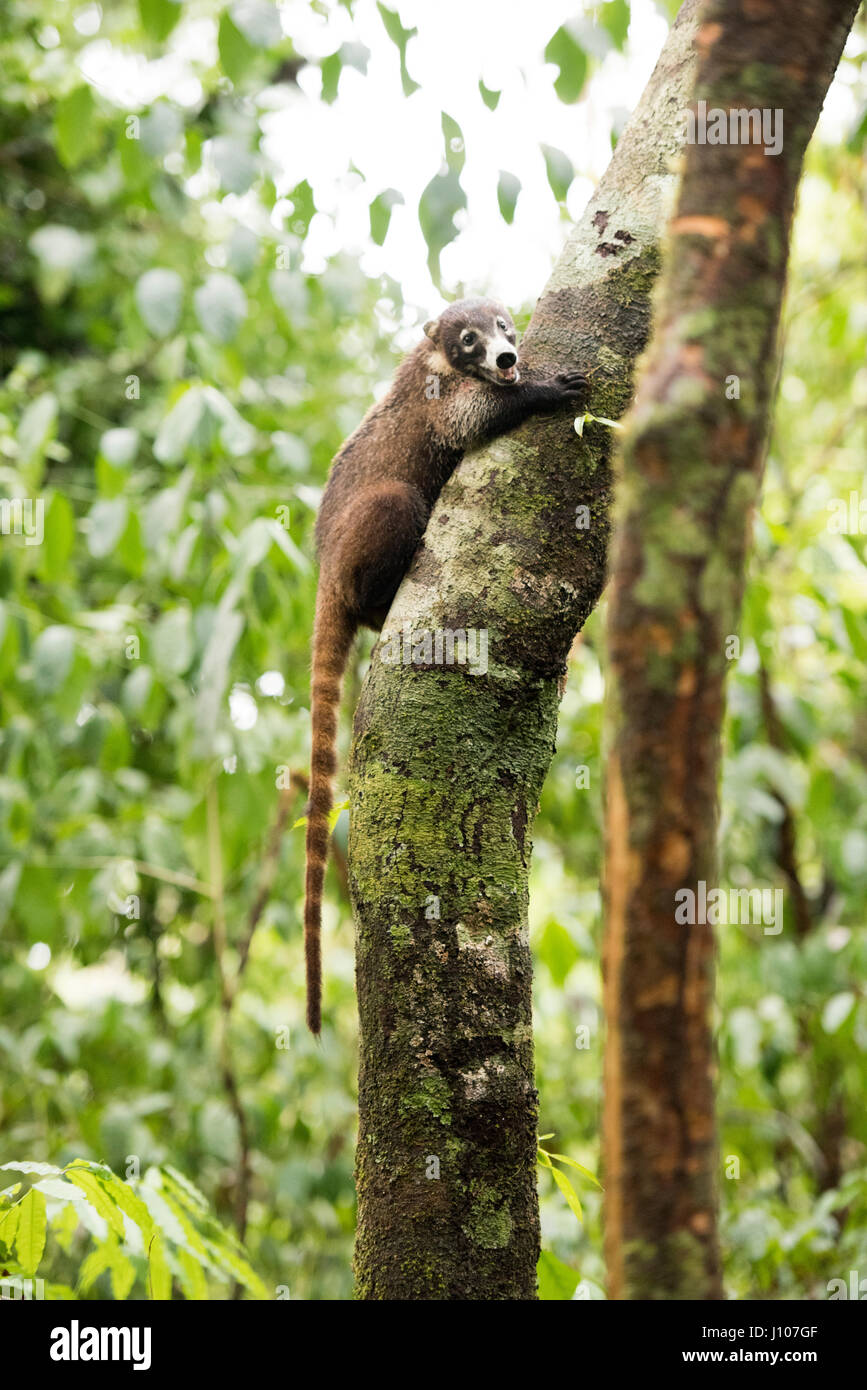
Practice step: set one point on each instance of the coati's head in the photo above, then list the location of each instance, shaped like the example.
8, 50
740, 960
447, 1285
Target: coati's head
477, 338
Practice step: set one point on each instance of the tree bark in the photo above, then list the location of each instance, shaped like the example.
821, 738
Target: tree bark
447, 767
692, 461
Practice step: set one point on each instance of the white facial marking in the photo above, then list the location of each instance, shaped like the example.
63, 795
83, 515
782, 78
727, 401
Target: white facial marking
496, 346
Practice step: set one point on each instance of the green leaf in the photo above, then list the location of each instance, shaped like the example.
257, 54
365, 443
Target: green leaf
53, 653
76, 132
569, 1193
333, 816
453, 140
9, 648
187, 424
172, 642
186, 1189
221, 306
191, 1242
55, 1292
491, 99
441, 200
236, 164
193, 1277
59, 538
400, 37
557, 1281
565, 50
303, 207
98, 1197
36, 904
158, 296
107, 521
236, 52
159, 1274
64, 1223
560, 171
615, 18
558, 951
9, 1225
135, 165
95, 1264
380, 213
858, 137
508, 189
214, 677
573, 1163
837, 1010
128, 1201
36, 429
65, 257
30, 1236
238, 1267
43, 1170
122, 1274
855, 632
258, 21
159, 17
119, 447
161, 129
59, 1189
587, 419
331, 68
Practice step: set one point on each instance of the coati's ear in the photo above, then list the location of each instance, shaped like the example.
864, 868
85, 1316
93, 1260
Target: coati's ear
432, 329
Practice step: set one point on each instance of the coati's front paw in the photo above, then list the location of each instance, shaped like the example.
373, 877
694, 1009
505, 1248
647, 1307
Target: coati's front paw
572, 384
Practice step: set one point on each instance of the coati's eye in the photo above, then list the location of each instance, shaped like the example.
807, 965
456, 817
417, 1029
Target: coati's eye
468, 338
501, 323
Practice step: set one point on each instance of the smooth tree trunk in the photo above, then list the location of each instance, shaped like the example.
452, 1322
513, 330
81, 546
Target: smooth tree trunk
448, 761
692, 462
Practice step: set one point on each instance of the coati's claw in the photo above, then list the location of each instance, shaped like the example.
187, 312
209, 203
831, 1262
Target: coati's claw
573, 383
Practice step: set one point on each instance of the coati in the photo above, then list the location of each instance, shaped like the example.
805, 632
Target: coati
460, 387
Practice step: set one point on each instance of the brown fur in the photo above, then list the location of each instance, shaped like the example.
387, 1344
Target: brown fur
446, 398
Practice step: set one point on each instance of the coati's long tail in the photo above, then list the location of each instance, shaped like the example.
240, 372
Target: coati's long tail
333, 632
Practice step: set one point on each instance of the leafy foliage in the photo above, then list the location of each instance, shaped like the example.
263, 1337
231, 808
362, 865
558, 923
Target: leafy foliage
177, 371
148, 1236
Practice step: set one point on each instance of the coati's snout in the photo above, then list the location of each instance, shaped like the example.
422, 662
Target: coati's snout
478, 338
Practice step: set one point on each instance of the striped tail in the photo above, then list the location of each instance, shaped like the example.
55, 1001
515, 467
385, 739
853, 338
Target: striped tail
333, 632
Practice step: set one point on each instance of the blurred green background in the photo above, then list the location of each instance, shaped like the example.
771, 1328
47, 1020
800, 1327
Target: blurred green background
185, 342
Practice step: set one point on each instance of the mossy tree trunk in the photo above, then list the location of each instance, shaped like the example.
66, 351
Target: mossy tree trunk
447, 768
692, 462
